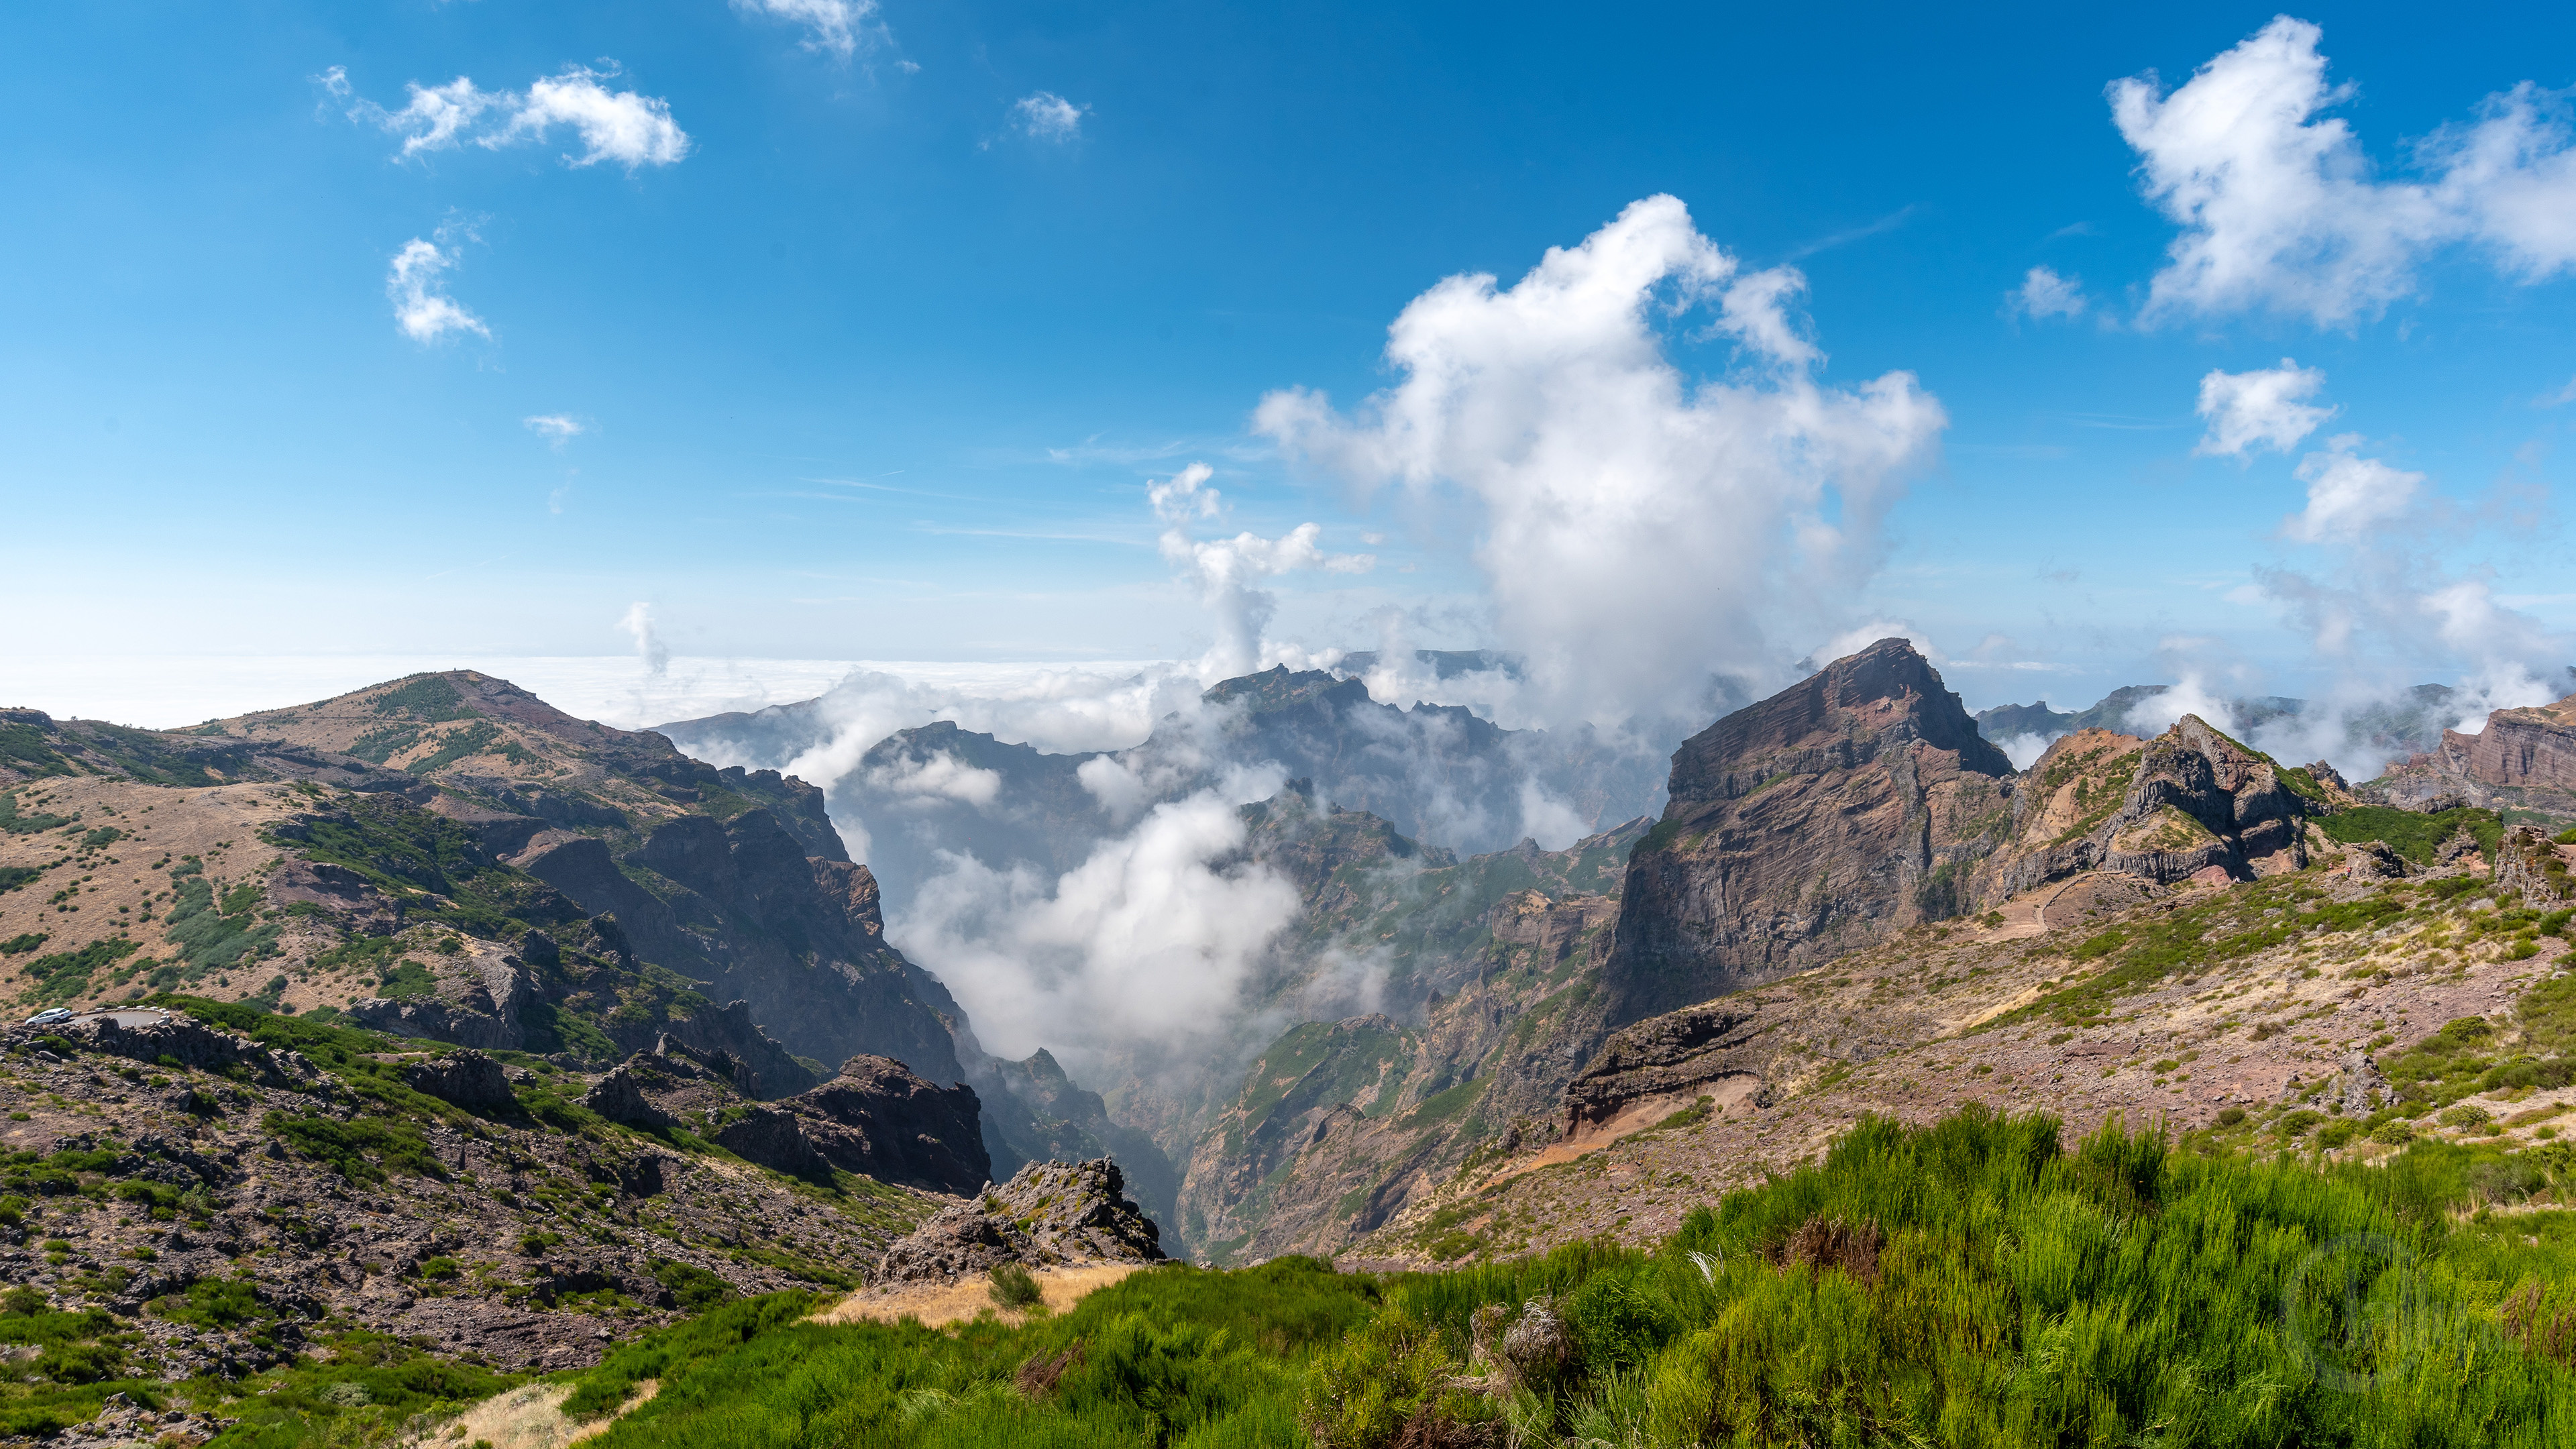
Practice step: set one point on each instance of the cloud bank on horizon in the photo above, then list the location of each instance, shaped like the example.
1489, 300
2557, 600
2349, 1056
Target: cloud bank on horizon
1631, 447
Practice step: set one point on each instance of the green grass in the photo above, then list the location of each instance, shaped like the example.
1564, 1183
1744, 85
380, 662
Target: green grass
16, 823
428, 698
2125, 1292
1169, 1356
212, 935
2414, 836
65, 975
2130, 1290
456, 745
23, 748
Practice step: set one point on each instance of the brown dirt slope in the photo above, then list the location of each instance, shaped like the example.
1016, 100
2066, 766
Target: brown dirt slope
2310, 1007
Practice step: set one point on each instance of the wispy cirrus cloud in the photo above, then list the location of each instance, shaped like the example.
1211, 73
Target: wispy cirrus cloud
1046, 116
837, 28
624, 127
556, 428
417, 286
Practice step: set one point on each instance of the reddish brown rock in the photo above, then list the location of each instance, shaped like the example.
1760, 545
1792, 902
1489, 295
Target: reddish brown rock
1844, 808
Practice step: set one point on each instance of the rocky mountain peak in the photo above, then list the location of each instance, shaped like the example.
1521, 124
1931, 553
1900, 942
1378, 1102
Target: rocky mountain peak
1847, 806
1885, 696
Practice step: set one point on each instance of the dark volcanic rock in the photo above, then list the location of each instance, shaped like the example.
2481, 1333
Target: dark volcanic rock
881, 1119
619, 1097
466, 1079
1052, 1212
957, 1240
1846, 807
773, 1137
147, 1036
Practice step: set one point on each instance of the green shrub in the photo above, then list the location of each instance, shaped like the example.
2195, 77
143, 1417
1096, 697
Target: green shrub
1014, 1288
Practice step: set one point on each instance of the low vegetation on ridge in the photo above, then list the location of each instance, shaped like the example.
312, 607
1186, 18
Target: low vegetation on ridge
1969, 1282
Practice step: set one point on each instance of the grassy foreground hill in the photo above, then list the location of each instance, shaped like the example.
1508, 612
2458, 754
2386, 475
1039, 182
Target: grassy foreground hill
1969, 1282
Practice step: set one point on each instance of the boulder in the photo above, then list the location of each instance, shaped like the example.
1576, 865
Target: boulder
957, 1240
1052, 1212
466, 1079
620, 1098
2373, 860
774, 1138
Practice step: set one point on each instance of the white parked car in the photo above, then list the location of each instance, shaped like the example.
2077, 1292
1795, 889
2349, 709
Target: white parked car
50, 1016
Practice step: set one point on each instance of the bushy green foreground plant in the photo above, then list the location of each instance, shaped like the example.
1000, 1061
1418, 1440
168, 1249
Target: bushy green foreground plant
1968, 1283
1990, 1290
1168, 1356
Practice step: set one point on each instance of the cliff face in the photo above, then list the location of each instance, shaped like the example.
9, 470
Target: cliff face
2523, 759
1488, 998
1844, 808
740, 907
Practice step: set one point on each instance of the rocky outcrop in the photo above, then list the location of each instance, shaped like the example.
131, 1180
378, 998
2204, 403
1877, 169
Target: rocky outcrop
2200, 799
877, 1118
1051, 1212
149, 1036
1846, 807
619, 1097
466, 1079
2374, 860
958, 1240
883, 1120
1678, 1056
2530, 865
773, 1137
2163, 810
495, 1241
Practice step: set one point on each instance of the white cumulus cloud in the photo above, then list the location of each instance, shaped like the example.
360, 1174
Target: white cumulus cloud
1046, 116
1649, 540
2265, 408
2281, 208
2349, 495
1144, 945
1224, 570
417, 286
625, 127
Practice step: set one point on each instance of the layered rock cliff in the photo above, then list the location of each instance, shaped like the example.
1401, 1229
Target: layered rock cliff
1848, 806
2524, 759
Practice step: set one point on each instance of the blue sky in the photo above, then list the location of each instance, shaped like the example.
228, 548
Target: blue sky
881, 359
